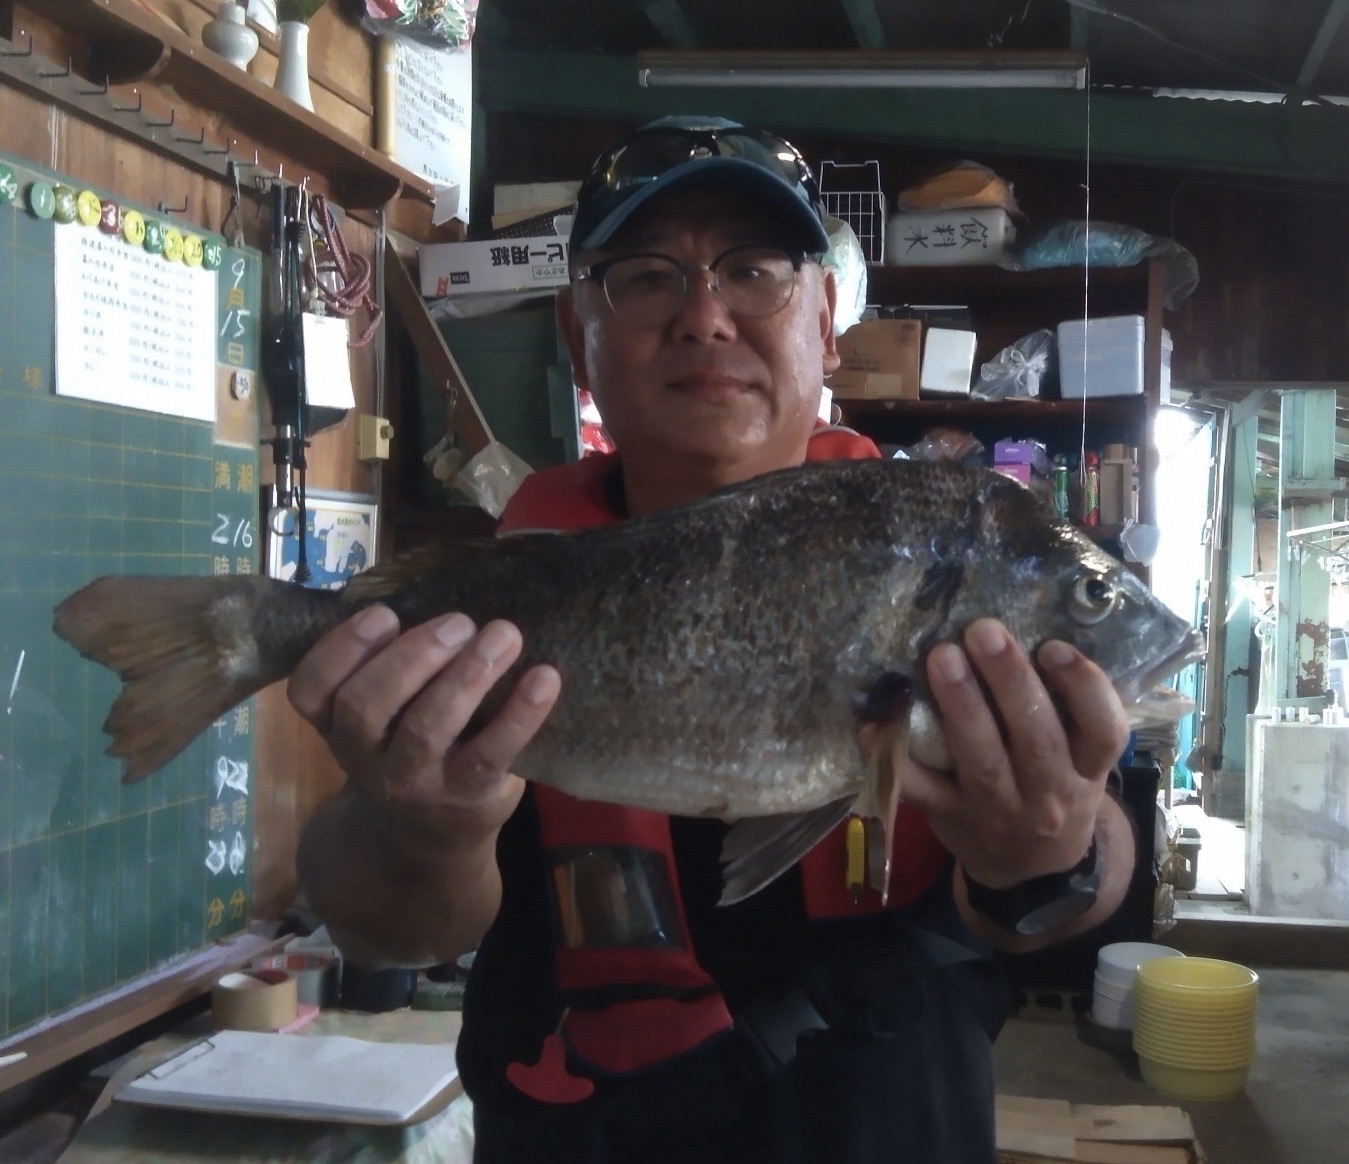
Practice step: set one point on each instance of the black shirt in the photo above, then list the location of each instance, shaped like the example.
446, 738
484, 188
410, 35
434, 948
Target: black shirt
904, 1073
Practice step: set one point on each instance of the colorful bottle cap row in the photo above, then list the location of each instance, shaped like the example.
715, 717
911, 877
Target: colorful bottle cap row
65, 205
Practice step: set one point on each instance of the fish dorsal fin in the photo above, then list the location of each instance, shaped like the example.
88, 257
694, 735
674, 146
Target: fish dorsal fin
759, 849
394, 574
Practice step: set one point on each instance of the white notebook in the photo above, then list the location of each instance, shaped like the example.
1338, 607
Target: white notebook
319, 1077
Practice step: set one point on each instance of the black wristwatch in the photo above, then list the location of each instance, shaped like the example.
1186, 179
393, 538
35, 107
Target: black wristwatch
1043, 903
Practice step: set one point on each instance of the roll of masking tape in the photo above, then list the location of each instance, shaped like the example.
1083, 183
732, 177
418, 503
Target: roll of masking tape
254, 1000
315, 974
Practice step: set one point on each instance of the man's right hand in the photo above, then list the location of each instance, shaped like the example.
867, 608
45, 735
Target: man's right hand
392, 708
401, 865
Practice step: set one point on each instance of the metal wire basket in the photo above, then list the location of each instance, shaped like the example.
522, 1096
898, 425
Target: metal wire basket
852, 192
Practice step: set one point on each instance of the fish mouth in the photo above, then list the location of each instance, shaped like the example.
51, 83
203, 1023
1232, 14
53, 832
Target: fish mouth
1141, 690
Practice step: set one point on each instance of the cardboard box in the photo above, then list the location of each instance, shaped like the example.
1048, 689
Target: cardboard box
948, 362
880, 360
1118, 490
972, 237
1016, 470
495, 265
1024, 452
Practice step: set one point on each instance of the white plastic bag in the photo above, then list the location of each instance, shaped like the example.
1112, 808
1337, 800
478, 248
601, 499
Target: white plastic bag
1019, 369
849, 265
492, 476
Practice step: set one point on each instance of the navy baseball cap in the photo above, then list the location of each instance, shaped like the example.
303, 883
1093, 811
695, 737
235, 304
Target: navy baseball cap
691, 150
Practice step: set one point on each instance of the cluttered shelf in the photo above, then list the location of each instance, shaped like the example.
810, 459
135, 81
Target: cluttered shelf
1118, 418
127, 43
997, 286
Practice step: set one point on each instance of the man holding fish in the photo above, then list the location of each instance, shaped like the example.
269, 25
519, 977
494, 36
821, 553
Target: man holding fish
821, 1028
733, 785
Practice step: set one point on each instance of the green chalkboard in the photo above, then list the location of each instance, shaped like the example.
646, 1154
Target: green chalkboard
103, 883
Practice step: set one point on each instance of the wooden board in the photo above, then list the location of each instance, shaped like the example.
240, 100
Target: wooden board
1050, 1131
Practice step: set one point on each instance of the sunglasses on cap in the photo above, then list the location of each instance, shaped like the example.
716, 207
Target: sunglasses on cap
648, 154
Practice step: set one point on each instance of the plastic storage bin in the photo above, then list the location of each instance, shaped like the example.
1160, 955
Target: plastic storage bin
1114, 363
969, 237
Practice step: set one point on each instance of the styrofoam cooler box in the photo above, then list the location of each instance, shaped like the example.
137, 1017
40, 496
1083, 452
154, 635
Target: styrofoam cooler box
948, 362
972, 237
1114, 363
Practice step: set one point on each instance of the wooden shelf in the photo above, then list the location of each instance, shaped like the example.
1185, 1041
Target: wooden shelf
1013, 414
1007, 417
994, 286
128, 44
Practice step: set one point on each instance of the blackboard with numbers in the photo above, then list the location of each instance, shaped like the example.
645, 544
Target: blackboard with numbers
102, 883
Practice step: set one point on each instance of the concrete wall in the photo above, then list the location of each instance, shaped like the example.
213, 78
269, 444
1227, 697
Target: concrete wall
1297, 852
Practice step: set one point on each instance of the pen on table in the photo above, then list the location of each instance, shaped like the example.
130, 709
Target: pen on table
6, 1060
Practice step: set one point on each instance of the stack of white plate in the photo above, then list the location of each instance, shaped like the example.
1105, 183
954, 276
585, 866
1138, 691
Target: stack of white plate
1112, 998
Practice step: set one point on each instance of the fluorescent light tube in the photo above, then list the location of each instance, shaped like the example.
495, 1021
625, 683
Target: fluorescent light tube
863, 70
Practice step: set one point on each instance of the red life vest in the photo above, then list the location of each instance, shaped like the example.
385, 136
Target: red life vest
633, 1006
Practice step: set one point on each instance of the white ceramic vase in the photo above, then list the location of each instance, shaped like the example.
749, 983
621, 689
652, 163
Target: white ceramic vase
292, 70
229, 36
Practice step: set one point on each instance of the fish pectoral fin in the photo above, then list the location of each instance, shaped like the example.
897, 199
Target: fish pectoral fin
759, 849
884, 786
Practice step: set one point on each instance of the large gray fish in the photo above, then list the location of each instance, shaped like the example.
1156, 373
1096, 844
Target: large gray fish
717, 659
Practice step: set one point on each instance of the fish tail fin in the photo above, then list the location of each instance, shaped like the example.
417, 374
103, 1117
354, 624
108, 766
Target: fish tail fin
186, 649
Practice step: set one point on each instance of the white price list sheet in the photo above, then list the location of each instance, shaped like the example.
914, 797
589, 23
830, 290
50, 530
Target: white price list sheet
132, 328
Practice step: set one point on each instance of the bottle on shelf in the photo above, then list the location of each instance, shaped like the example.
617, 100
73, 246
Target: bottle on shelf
1091, 489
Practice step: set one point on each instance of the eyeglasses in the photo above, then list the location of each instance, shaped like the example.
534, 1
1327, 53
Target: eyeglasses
646, 154
649, 289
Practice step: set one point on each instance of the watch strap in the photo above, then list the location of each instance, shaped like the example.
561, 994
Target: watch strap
1041, 904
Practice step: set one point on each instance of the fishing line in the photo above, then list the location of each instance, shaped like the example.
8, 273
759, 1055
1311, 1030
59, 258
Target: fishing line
1086, 295
14, 686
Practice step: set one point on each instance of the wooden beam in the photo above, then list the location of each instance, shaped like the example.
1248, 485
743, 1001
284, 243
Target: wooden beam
671, 22
866, 23
1320, 46
1293, 142
405, 301
493, 26
90, 1024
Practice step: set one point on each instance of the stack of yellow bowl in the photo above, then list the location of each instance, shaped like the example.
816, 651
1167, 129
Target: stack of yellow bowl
1194, 1026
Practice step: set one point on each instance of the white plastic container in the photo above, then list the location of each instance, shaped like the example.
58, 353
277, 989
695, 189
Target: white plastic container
972, 237
1114, 358
948, 362
1112, 998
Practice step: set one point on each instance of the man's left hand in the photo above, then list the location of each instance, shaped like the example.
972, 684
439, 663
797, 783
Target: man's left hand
1027, 787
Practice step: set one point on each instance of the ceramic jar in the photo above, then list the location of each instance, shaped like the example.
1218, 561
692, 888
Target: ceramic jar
292, 70
229, 36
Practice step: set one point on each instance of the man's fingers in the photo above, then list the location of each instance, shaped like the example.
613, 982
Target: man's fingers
1099, 729
933, 793
335, 658
432, 721
1035, 735
973, 735
493, 750
374, 697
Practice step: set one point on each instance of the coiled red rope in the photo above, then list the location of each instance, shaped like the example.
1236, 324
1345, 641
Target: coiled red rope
352, 271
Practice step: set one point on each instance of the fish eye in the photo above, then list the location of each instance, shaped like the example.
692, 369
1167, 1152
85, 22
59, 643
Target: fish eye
1093, 598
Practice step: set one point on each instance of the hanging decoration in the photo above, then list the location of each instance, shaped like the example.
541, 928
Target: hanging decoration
436, 22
